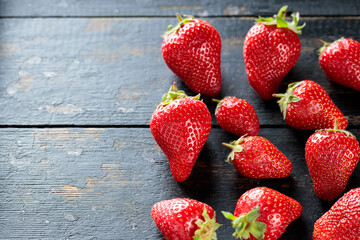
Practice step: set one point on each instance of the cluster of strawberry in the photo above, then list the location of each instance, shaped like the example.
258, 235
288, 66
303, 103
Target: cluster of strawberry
181, 125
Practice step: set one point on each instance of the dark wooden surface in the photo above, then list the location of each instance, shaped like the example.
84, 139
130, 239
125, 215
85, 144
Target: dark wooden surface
204, 8
79, 81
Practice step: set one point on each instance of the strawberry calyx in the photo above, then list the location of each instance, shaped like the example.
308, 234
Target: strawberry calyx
325, 45
236, 147
173, 94
219, 103
288, 97
280, 22
336, 129
182, 20
246, 224
207, 229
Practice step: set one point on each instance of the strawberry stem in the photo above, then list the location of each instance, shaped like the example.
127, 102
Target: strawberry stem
325, 45
218, 105
236, 147
288, 97
322, 49
246, 224
173, 94
178, 17
336, 129
181, 21
336, 126
280, 22
207, 229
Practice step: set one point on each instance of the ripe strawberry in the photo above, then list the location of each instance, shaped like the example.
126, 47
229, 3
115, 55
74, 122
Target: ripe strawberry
256, 157
185, 219
340, 62
192, 51
180, 125
271, 49
342, 220
272, 210
331, 156
306, 106
237, 116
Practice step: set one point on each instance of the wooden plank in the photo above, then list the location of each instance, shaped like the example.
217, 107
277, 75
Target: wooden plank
170, 8
102, 71
92, 183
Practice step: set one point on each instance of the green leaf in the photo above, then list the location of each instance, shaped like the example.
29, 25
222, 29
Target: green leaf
257, 229
181, 21
228, 215
261, 19
293, 98
245, 225
206, 229
282, 11
253, 214
281, 23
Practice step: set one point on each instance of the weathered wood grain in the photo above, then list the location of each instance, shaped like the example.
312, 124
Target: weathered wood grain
92, 183
169, 8
109, 71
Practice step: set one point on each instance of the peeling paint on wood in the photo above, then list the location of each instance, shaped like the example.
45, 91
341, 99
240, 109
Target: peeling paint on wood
113, 184
8, 48
233, 10
181, 7
63, 108
166, 8
100, 183
98, 25
107, 78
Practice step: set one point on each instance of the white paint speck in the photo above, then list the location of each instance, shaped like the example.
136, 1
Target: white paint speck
204, 13
70, 109
126, 110
49, 74
76, 152
69, 217
11, 90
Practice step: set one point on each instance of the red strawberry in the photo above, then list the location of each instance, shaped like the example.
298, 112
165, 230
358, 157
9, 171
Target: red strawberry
273, 212
180, 125
185, 219
256, 157
237, 116
340, 62
342, 220
271, 49
306, 105
192, 51
331, 156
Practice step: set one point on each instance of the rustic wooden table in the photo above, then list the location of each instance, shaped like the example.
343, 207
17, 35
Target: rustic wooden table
79, 81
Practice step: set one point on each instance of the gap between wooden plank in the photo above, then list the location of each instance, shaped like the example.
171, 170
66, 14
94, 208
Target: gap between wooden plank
245, 17
129, 126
